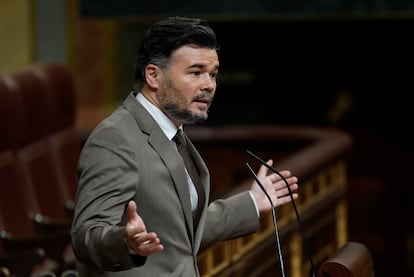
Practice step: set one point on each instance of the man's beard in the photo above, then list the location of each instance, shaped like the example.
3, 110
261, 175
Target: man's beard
169, 99
185, 116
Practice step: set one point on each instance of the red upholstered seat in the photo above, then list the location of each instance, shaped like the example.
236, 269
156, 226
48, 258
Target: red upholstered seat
42, 179
11, 114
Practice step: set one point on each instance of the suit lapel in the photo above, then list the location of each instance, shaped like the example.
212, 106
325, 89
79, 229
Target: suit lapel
201, 166
205, 180
174, 164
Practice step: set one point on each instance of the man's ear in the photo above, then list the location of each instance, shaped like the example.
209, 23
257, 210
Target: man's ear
152, 75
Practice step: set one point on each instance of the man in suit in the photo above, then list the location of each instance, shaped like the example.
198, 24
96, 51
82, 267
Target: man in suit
139, 211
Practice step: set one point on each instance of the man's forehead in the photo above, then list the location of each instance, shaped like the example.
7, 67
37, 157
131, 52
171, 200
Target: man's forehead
199, 56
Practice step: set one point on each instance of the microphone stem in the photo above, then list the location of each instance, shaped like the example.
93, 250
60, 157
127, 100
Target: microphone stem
307, 248
279, 248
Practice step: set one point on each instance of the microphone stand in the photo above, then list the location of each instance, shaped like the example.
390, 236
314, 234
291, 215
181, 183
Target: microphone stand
308, 251
279, 248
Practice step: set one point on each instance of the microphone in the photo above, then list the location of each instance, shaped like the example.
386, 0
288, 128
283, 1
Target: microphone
279, 248
298, 219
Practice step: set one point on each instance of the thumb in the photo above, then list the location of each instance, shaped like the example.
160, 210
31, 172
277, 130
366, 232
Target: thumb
263, 169
132, 211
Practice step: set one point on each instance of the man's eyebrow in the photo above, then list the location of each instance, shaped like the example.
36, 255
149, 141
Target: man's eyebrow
199, 65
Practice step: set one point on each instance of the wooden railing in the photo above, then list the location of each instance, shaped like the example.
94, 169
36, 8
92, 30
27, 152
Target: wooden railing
318, 157
352, 260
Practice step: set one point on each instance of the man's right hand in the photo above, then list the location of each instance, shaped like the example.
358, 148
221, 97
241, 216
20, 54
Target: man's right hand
138, 239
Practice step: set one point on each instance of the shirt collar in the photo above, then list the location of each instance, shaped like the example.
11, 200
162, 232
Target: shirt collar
166, 125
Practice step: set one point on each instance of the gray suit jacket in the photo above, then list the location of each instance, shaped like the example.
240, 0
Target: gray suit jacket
128, 157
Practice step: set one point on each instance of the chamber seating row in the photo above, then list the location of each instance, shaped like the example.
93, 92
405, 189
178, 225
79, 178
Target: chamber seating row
39, 149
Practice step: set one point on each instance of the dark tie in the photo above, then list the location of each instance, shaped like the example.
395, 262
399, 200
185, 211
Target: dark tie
192, 171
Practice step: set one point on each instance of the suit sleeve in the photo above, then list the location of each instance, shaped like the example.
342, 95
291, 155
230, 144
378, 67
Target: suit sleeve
230, 218
107, 176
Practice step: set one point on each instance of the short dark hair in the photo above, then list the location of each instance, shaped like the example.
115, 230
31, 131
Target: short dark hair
166, 36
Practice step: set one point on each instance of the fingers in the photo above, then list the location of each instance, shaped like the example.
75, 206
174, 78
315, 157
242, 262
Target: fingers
285, 191
144, 238
286, 199
280, 184
276, 177
283, 187
136, 235
146, 244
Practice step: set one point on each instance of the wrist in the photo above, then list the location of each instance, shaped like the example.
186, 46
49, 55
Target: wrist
130, 250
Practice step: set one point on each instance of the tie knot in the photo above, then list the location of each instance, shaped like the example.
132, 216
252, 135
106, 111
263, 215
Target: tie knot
179, 137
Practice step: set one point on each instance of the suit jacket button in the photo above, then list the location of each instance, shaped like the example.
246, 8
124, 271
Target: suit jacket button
117, 267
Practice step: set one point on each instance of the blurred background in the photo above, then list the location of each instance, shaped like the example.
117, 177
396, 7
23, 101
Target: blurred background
344, 64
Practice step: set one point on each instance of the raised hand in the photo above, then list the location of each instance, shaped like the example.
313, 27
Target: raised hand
275, 187
136, 235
